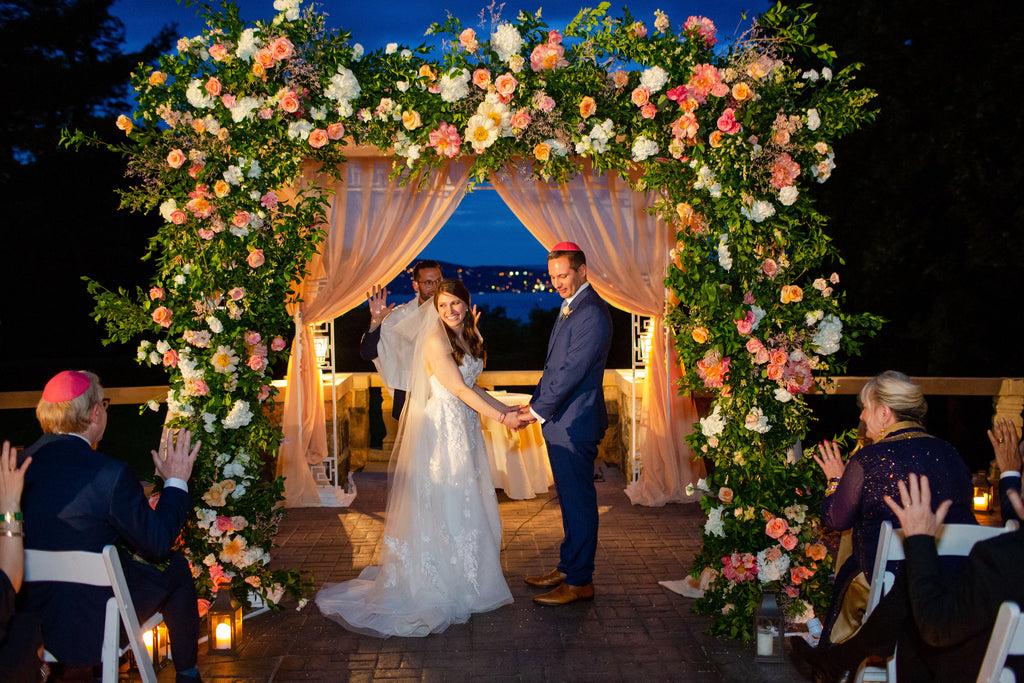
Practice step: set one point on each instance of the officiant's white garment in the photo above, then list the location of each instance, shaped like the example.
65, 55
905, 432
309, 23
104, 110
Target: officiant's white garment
440, 556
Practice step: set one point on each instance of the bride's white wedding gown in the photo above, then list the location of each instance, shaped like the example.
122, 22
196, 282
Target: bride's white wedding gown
439, 558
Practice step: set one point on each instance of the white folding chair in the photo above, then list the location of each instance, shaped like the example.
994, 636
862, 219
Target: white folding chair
953, 539
1007, 639
99, 569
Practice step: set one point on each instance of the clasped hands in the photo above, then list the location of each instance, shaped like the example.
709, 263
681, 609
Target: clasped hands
518, 417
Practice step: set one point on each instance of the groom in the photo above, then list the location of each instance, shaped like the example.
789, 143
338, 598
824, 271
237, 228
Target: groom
569, 404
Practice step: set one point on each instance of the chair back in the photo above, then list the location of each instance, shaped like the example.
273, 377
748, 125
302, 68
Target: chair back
952, 540
1007, 639
99, 569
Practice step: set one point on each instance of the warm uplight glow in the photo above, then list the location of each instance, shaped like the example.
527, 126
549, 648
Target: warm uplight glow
981, 501
223, 636
147, 638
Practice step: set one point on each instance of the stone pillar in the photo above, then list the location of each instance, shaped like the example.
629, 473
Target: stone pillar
390, 424
1009, 402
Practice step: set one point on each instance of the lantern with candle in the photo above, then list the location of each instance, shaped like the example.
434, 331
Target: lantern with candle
225, 620
982, 493
768, 629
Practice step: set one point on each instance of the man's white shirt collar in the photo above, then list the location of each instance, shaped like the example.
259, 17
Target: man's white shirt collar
568, 302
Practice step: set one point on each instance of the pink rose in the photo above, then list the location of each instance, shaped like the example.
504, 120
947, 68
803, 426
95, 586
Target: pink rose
154, 500
252, 338
789, 541
228, 101
335, 131
638, 30
799, 574
218, 52
200, 387
176, 158
269, 200
224, 524
257, 363
834, 278
290, 102
213, 86
317, 138
791, 591
725, 494
202, 606
770, 267
746, 325
206, 234
162, 316
236, 293
520, 120
264, 393
720, 90
648, 111
727, 122
776, 527
255, 258
171, 359
281, 48
156, 292
468, 41
779, 357
754, 345
241, 219
278, 344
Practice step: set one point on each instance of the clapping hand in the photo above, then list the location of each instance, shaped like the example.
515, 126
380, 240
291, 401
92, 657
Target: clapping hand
1006, 445
831, 460
377, 298
915, 513
175, 459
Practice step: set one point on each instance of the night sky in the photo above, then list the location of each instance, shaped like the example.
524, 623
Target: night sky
482, 230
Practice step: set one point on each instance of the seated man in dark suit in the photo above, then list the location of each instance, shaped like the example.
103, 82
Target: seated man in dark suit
75, 498
941, 623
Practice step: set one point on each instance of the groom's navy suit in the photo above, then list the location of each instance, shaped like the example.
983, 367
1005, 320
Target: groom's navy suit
78, 499
570, 399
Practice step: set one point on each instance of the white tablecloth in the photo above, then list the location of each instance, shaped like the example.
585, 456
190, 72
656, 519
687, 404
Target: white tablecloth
519, 460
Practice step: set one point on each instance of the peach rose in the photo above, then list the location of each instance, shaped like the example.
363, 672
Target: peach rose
335, 131
648, 111
482, 78
467, 39
411, 120
218, 52
505, 84
725, 495
427, 72
317, 138
176, 158
265, 58
699, 334
213, 86
241, 219
162, 316
640, 96
791, 294
255, 259
779, 357
178, 217
281, 48
157, 78
171, 358
816, 551
156, 292
587, 107
741, 92
124, 123
221, 188
789, 541
520, 120
799, 574
542, 152
199, 125
775, 372
715, 139
620, 79
290, 102
277, 344
776, 527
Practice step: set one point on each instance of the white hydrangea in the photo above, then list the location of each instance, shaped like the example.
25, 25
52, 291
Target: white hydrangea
215, 325
714, 526
243, 108
233, 176
167, 208
706, 180
391, 48
154, 358
344, 86
455, 85
654, 79
247, 45
255, 170
788, 195
713, 424
209, 422
179, 279
813, 119
299, 130
759, 314
823, 169
826, 339
506, 41
758, 211
239, 416
724, 257
826, 73
783, 396
290, 8
197, 96
357, 52
810, 75
644, 148
813, 317
768, 571
757, 421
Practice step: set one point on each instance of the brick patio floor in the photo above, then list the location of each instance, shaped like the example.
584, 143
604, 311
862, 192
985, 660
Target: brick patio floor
634, 630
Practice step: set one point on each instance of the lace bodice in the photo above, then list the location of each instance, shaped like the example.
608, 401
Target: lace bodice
471, 368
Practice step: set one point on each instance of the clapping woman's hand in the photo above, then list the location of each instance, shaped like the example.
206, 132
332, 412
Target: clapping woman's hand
12, 478
1006, 445
831, 460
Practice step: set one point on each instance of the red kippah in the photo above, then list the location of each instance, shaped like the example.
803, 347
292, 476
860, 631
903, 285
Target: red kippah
566, 246
65, 386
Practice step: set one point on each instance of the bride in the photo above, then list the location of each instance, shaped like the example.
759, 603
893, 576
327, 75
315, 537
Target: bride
439, 558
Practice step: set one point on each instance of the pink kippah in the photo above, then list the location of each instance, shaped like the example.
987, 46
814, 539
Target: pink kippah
65, 386
567, 246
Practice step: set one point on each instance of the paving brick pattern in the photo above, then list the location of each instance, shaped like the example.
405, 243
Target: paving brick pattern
634, 630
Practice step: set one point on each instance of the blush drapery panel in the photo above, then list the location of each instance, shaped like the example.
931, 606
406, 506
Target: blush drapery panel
627, 257
376, 227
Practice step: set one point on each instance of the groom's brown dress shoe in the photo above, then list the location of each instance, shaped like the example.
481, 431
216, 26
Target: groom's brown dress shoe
565, 594
549, 580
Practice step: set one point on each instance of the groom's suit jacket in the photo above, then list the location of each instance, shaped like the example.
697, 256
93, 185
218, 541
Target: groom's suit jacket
78, 499
570, 395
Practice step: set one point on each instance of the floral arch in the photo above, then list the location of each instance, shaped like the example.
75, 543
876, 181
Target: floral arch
726, 146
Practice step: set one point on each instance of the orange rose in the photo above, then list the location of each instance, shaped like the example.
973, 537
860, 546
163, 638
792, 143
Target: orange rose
776, 527
162, 316
199, 125
715, 139
124, 123
816, 551
411, 120
789, 541
176, 158
259, 70
640, 96
265, 58
317, 138
542, 152
741, 92
587, 107
335, 131
157, 78
620, 78
699, 334
427, 72
221, 188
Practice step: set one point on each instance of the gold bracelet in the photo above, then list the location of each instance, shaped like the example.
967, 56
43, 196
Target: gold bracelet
11, 534
13, 516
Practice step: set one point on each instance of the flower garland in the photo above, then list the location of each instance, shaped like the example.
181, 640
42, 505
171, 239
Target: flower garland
730, 143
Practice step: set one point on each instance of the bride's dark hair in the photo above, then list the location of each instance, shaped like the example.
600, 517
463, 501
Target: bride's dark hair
470, 336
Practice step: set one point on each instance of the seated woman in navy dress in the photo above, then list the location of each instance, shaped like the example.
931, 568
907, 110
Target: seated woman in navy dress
893, 409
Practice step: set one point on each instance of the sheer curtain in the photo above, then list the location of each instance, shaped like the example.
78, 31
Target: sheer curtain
627, 257
376, 228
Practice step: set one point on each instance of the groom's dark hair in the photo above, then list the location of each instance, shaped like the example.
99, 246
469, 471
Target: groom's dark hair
423, 265
576, 258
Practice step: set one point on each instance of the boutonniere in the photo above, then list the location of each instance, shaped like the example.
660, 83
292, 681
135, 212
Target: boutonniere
566, 312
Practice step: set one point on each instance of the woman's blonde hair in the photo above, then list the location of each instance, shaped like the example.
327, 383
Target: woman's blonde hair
894, 389
70, 417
